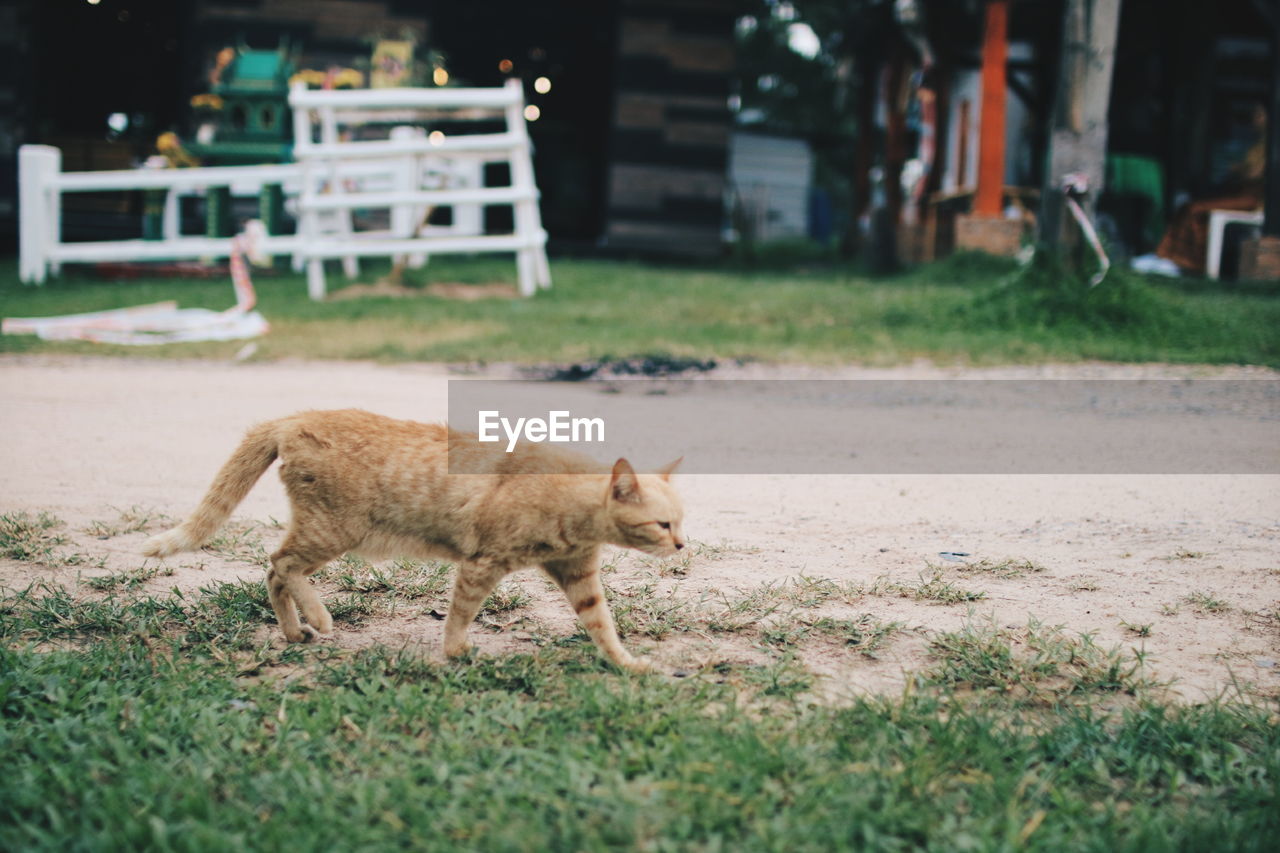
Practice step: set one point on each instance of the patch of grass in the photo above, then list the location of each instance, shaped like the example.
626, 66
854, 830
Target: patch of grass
240, 541
45, 611
734, 615
1006, 569
951, 312
931, 587
378, 749
787, 632
805, 591
226, 614
640, 609
1141, 629
222, 616
135, 519
679, 565
354, 608
81, 559
414, 579
129, 579
783, 677
1205, 602
101, 529
351, 573
402, 578
507, 597
1035, 665
1046, 294
865, 635
30, 538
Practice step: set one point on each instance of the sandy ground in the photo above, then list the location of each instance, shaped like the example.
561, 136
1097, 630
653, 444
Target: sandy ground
85, 438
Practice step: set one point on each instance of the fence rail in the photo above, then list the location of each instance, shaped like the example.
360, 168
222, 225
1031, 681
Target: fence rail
411, 174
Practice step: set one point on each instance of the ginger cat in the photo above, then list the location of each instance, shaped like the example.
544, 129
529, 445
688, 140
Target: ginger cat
380, 487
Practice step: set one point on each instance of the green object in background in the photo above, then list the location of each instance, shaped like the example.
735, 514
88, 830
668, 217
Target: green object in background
271, 210
1132, 174
217, 214
254, 124
153, 214
263, 69
271, 207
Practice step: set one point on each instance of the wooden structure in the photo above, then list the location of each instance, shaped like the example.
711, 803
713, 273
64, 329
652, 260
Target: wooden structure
995, 53
670, 139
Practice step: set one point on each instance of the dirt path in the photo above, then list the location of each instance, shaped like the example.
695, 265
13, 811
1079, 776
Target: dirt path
1192, 562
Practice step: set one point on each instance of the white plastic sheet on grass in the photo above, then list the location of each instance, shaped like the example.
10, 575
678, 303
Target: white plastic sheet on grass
159, 322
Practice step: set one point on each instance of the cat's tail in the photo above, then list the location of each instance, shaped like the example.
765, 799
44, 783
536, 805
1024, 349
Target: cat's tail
254, 456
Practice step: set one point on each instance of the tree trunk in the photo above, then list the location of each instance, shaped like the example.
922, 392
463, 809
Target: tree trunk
1078, 133
1271, 190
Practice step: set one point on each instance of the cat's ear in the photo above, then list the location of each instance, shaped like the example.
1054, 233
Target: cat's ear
623, 484
667, 470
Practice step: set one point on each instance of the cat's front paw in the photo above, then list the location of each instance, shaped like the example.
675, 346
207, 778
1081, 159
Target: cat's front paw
458, 651
637, 667
307, 634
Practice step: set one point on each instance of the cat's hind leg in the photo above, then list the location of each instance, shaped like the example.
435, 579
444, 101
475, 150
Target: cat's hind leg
288, 584
285, 609
580, 580
471, 586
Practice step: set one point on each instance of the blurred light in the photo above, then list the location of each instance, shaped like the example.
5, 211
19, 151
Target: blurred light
784, 12
542, 85
435, 137
119, 122
505, 66
94, 2
803, 40
440, 76
746, 25
532, 113
767, 82
735, 103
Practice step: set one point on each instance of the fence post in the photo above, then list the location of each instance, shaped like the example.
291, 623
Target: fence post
530, 269
315, 279
38, 168
301, 145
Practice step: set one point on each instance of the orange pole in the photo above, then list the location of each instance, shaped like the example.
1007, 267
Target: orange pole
995, 52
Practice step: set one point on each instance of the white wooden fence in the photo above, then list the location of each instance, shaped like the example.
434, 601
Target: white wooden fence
409, 173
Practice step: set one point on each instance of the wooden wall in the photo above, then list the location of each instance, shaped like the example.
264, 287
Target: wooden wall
670, 138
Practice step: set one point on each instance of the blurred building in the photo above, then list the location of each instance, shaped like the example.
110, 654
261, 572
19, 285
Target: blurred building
1188, 78
630, 136
671, 121
633, 121
770, 179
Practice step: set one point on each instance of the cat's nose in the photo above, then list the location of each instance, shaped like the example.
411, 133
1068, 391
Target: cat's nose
679, 546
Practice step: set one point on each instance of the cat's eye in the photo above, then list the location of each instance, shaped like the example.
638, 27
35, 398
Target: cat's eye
665, 525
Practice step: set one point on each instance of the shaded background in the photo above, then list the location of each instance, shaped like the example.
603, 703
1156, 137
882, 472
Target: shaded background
635, 139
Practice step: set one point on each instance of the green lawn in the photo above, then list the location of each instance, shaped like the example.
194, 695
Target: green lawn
157, 723
964, 310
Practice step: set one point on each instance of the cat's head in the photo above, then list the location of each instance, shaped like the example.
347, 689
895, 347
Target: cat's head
645, 510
